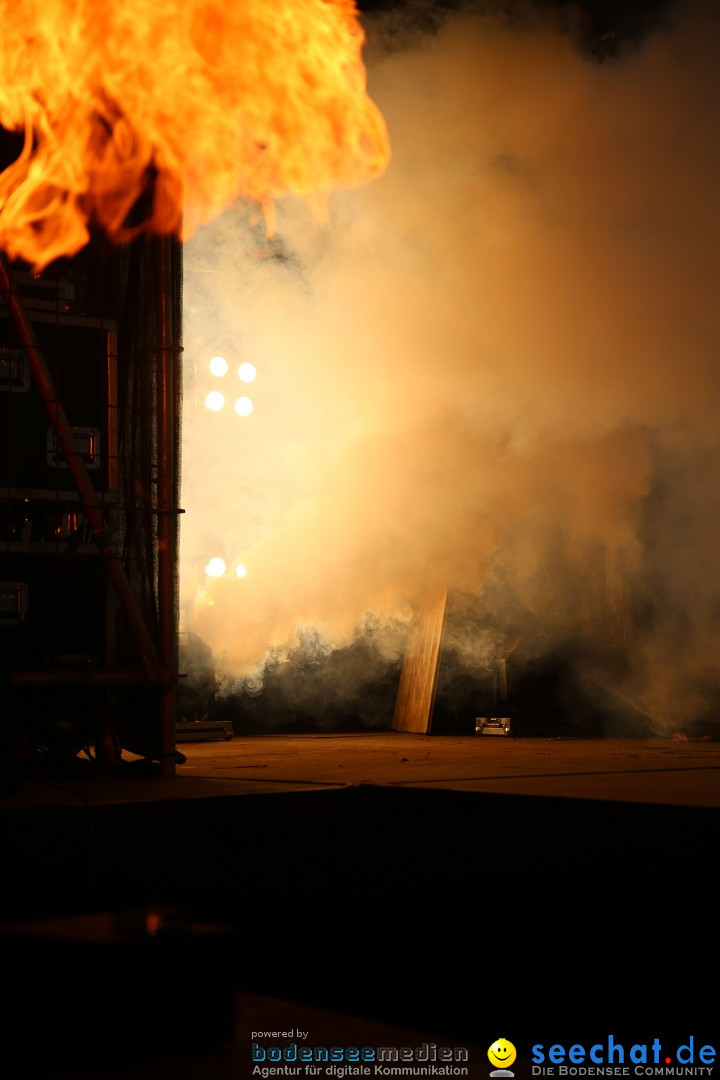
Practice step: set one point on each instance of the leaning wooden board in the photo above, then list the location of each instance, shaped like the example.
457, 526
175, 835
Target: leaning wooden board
418, 679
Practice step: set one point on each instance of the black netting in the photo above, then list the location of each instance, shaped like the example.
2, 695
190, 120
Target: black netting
138, 337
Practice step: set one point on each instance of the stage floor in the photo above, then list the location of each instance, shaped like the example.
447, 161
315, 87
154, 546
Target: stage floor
671, 772
668, 771
374, 874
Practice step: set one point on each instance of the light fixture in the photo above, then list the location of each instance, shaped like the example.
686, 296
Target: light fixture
218, 366
214, 401
216, 567
244, 406
247, 372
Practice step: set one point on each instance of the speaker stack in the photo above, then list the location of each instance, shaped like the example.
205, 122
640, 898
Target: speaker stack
56, 610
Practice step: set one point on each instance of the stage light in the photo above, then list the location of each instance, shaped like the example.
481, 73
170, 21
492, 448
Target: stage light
215, 568
247, 372
218, 366
244, 406
241, 570
214, 401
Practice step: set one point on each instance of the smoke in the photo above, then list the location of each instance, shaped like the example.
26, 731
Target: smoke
495, 369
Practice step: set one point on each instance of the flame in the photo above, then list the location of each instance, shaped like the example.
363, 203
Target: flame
216, 100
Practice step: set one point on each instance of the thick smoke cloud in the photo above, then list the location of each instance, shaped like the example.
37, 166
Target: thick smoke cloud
495, 369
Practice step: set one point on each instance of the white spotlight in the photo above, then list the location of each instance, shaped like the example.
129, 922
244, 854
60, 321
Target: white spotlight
244, 406
215, 568
214, 401
218, 366
247, 372
241, 570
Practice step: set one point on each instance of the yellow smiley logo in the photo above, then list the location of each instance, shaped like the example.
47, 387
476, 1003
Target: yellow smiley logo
502, 1053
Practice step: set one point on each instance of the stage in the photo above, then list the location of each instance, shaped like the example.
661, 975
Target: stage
665, 772
661, 771
464, 886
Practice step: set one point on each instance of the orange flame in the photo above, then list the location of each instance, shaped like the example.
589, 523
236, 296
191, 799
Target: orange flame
217, 100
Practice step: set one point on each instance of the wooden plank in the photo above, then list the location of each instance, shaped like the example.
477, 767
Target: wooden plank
418, 679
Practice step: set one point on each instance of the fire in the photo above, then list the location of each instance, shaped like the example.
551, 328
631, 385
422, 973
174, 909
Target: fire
215, 100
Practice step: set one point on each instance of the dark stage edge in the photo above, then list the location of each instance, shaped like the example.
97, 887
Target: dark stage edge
462, 886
